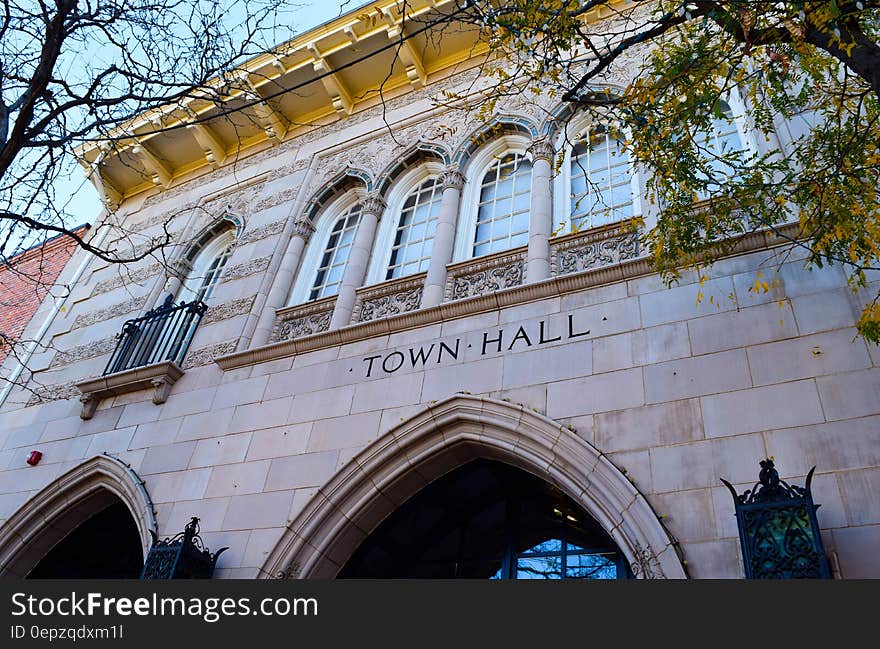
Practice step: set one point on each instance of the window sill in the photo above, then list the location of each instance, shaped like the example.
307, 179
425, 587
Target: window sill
159, 376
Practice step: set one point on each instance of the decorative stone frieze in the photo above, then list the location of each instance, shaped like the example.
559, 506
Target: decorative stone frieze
389, 298
246, 268
261, 232
235, 200
135, 276
83, 352
485, 275
304, 320
53, 392
172, 216
594, 248
553, 287
113, 311
277, 198
227, 310
206, 355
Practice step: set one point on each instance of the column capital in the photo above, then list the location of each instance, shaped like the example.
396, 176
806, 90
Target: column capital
373, 203
452, 178
303, 229
179, 268
542, 149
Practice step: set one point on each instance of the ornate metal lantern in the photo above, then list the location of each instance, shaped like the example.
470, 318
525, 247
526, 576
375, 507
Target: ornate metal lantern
183, 556
778, 528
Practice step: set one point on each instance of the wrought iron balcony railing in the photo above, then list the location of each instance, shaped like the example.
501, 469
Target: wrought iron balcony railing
162, 334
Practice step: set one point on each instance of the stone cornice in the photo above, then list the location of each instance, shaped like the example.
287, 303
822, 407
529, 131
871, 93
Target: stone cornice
471, 306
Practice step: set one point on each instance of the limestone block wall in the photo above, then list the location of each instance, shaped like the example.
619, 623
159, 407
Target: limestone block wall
676, 391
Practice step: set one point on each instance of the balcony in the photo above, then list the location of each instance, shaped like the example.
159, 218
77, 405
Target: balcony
149, 352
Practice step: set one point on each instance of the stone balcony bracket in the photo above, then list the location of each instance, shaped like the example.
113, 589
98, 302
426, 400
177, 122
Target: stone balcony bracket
158, 376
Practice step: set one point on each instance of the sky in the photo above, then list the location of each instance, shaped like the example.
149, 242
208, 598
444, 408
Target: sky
81, 196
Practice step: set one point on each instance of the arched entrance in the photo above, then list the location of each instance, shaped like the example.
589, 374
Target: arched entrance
105, 546
488, 520
322, 539
95, 521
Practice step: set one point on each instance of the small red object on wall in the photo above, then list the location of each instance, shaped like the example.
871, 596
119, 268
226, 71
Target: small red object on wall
34, 458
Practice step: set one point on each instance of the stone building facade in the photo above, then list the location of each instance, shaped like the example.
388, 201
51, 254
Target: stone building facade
396, 291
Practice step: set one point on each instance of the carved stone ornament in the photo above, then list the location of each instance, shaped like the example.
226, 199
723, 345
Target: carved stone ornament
373, 204
505, 274
396, 298
576, 255
646, 565
180, 268
304, 319
542, 149
303, 229
452, 178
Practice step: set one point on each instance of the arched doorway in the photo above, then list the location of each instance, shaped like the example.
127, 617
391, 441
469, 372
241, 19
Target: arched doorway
446, 435
488, 520
94, 521
105, 546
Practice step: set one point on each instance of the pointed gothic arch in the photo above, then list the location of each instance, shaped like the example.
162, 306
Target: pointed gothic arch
67, 502
448, 434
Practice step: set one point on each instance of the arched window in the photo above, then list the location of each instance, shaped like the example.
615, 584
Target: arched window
496, 201
405, 238
328, 277
598, 182
414, 236
503, 210
207, 267
601, 181
323, 264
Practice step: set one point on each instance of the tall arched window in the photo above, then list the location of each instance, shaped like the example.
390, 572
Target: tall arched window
601, 181
496, 198
207, 267
328, 277
503, 209
414, 235
326, 255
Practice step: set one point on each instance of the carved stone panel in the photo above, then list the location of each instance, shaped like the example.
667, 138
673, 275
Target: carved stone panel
391, 298
484, 276
594, 250
304, 320
304, 326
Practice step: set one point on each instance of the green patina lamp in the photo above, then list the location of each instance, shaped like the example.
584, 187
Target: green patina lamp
778, 528
182, 556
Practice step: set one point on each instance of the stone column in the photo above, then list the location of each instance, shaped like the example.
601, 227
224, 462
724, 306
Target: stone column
175, 272
452, 182
541, 217
283, 282
355, 273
